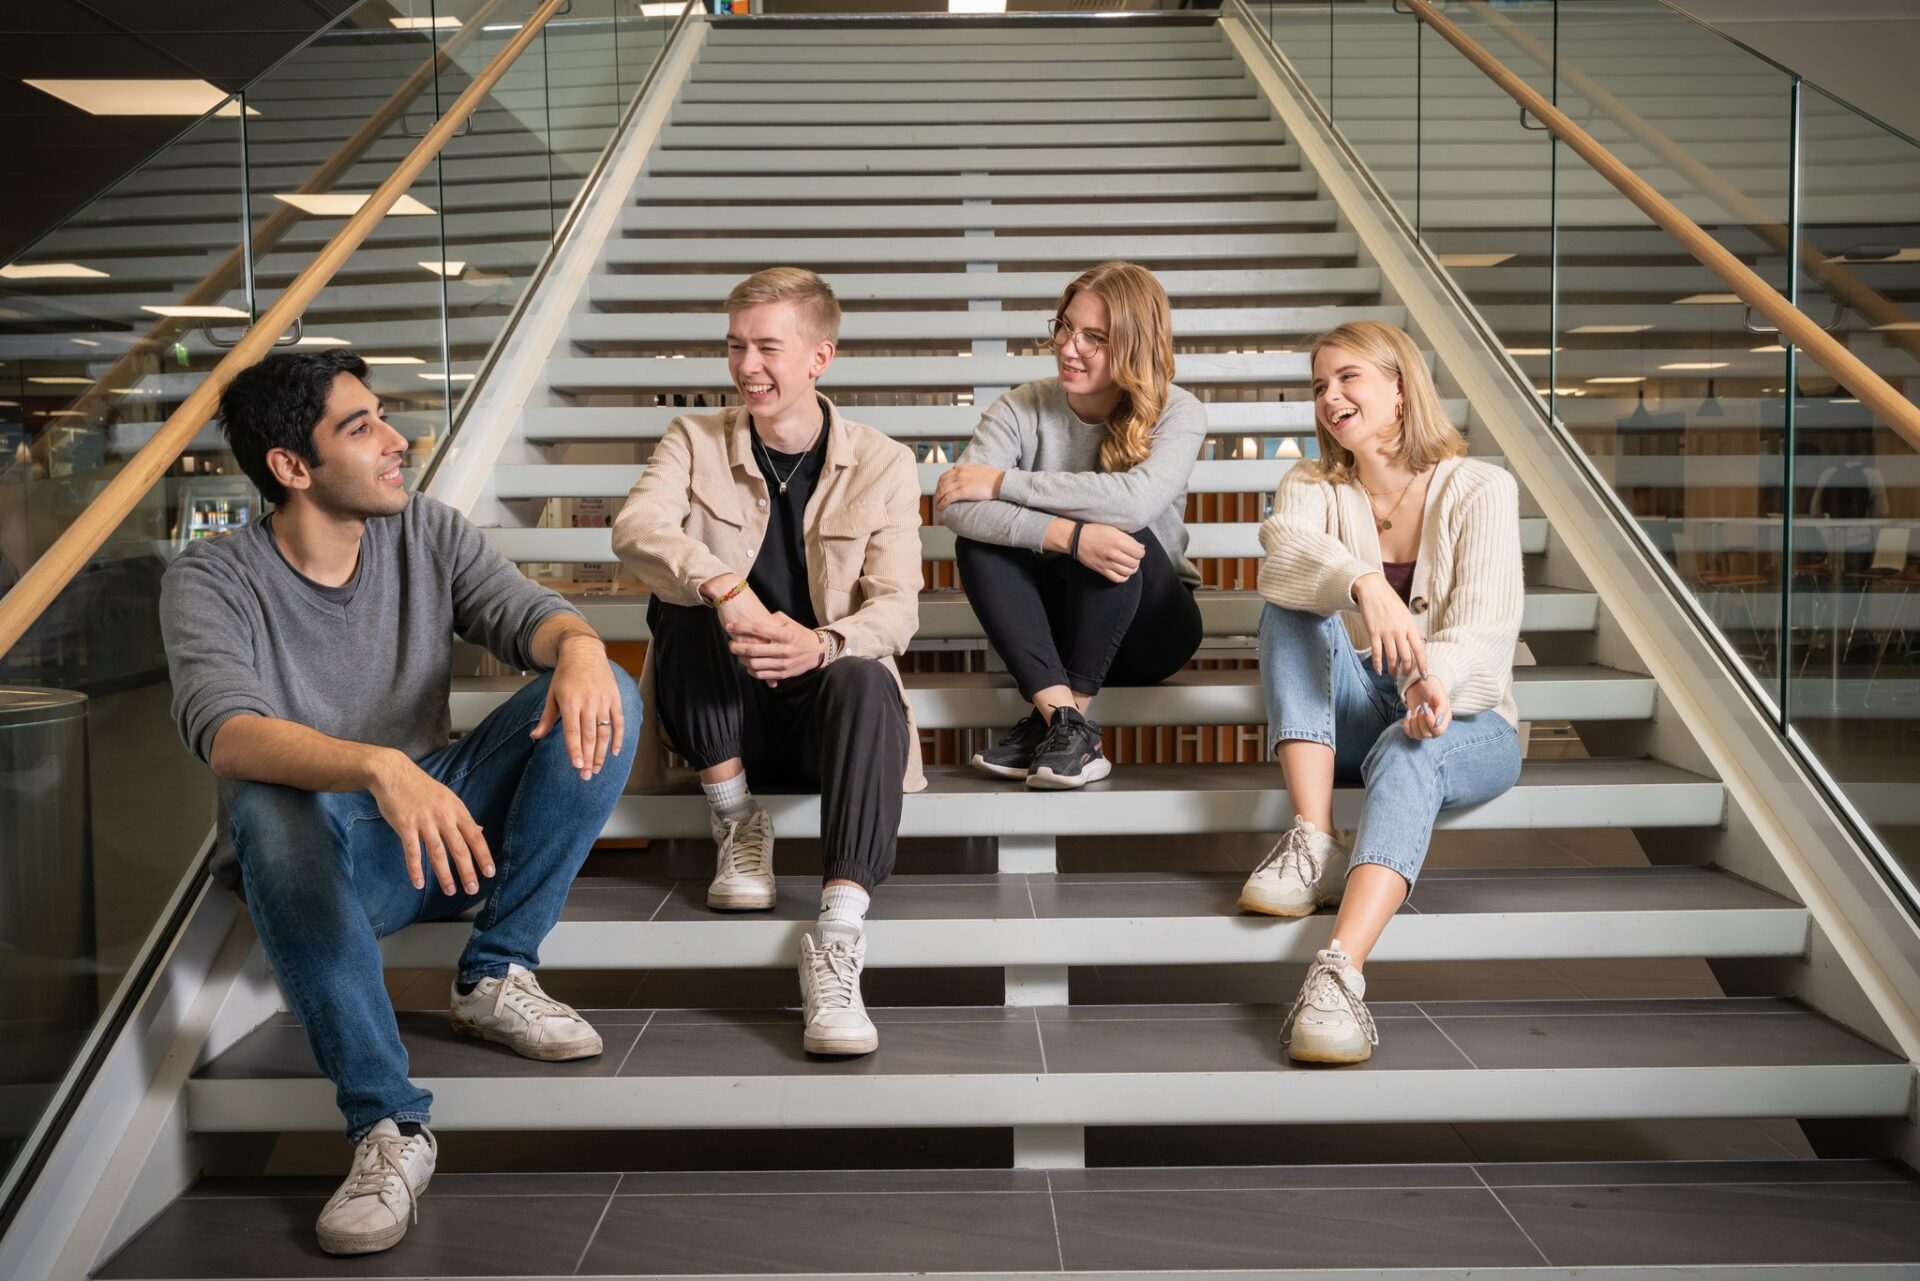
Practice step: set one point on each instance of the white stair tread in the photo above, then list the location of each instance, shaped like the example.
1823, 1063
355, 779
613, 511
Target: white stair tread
1146, 248
659, 374
956, 131
1178, 918
1181, 799
960, 160
983, 700
1106, 1065
920, 287
851, 219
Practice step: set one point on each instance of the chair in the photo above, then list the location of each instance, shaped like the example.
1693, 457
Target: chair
1710, 571
1889, 567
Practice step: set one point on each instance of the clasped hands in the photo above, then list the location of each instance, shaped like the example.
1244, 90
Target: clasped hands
1395, 645
771, 646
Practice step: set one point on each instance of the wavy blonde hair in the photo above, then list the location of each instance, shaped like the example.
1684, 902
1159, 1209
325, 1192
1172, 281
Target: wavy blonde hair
1139, 352
1425, 437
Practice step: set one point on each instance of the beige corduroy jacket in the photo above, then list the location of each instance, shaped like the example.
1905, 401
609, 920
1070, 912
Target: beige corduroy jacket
1468, 591
700, 511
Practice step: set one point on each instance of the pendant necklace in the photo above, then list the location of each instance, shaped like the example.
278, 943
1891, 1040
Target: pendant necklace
784, 481
1384, 523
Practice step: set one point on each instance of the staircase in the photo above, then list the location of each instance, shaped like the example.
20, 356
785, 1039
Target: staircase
1079, 1066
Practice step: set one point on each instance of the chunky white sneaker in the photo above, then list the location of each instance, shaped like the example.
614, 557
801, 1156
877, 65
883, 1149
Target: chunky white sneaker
514, 1012
743, 871
1305, 868
381, 1198
1329, 1022
836, 1016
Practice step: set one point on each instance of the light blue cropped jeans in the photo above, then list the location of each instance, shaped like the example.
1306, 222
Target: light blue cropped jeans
1319, 689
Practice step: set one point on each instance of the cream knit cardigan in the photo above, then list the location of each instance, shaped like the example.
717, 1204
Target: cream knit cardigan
1467, 592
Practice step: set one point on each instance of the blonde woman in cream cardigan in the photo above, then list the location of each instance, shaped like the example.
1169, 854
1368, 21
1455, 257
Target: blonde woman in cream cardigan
1393, 587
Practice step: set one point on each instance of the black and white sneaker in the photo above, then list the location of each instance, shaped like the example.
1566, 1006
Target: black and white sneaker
1069, 756
1012, 756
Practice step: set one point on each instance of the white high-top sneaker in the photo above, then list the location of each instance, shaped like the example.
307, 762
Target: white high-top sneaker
743, 869
836, 1016
380, 1199
514, 1012
1329, 1022
1305, 868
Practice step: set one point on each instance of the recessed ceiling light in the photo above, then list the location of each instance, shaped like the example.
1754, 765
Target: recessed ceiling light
51, 381
1697, 364
1609, 329
1531, 351
1844, 400
662, 8
138, 97
1560, 391
83, 342
1706, 298
446, 378
9, 404
424, 24
976, 6
1897, 326
1624, 378
59, 413
1770, 347
393, 360
321, 340
445, 268
1892, 255
1473, 260
195, 313
343, 205
49, 271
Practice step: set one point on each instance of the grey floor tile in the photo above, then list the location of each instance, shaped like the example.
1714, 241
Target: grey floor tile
607, 898
903, 898
1348, 1228
1235, 1044
755, 1048
1540, 1174
1656, 1040
280, 1050
1712, 1139
1721, 1224
1191, 894
1245, 1145
212, 1237
828, 1183
1264, 1178
1598, 890
849, 1233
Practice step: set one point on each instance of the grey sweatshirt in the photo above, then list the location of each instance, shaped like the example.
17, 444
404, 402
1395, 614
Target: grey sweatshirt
246, 635
1051, 459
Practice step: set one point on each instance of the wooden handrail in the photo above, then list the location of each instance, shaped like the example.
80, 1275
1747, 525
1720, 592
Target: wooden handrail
1852, 373
1882, 311
49, 575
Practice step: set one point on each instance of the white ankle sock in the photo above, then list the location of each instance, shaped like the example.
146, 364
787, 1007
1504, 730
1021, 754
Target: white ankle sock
730, 800
843, 913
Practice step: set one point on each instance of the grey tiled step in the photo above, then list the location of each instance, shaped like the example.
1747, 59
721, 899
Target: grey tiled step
957, 131
959, 160
1145, 248
960, 48
982, 700
1119, 187
865, 69
796, 94
595, 546
553, 423
664, 374
1105, 1065
946, 615
1176, 918
603, 328
977, 110
1527, 1222
1181, 799
854, 219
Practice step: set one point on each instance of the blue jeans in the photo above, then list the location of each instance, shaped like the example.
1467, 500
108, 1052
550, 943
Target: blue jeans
1320, 690
325, 879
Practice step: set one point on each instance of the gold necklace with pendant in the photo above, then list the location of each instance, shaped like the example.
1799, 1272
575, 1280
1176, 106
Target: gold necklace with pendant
1384, 523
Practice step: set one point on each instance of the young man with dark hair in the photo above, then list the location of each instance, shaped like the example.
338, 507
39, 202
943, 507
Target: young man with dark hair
311, 657
782, 547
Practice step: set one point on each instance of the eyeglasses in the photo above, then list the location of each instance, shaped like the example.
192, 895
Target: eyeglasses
1060, 334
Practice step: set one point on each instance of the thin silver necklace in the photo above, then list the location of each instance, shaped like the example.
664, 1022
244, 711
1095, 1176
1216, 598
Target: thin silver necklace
795, 470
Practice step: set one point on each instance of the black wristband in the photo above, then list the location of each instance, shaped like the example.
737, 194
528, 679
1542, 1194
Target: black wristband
1073, 543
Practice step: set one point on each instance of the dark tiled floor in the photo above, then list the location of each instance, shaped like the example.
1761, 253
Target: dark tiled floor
1289, 1217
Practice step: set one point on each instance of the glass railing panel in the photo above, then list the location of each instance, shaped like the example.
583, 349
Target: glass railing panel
1485, 202
1657, 372
1853, 686
1303, 31
1374, 93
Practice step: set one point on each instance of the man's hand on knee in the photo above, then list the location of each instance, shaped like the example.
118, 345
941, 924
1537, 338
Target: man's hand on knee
433, 824
584, 699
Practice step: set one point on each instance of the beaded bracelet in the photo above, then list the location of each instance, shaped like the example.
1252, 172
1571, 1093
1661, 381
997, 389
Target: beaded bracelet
733, 591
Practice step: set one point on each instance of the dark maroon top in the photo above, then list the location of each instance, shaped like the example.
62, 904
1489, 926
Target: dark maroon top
1399, 575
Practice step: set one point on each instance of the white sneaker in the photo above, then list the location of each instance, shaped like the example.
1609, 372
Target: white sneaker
514, 1012
1329, 1022
836, 1016
381, 1198
1305, 868
743, 871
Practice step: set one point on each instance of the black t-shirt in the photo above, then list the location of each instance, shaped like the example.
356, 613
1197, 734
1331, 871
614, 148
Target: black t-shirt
779, 575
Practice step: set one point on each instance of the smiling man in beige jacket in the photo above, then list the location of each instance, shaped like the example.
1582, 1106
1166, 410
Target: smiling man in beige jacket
782, 547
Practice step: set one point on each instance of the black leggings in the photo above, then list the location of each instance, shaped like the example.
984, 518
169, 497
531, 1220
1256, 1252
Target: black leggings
1053, 621
840, 731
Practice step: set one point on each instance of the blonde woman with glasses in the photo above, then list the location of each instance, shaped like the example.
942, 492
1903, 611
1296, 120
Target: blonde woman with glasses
1393, 587
1068, 505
